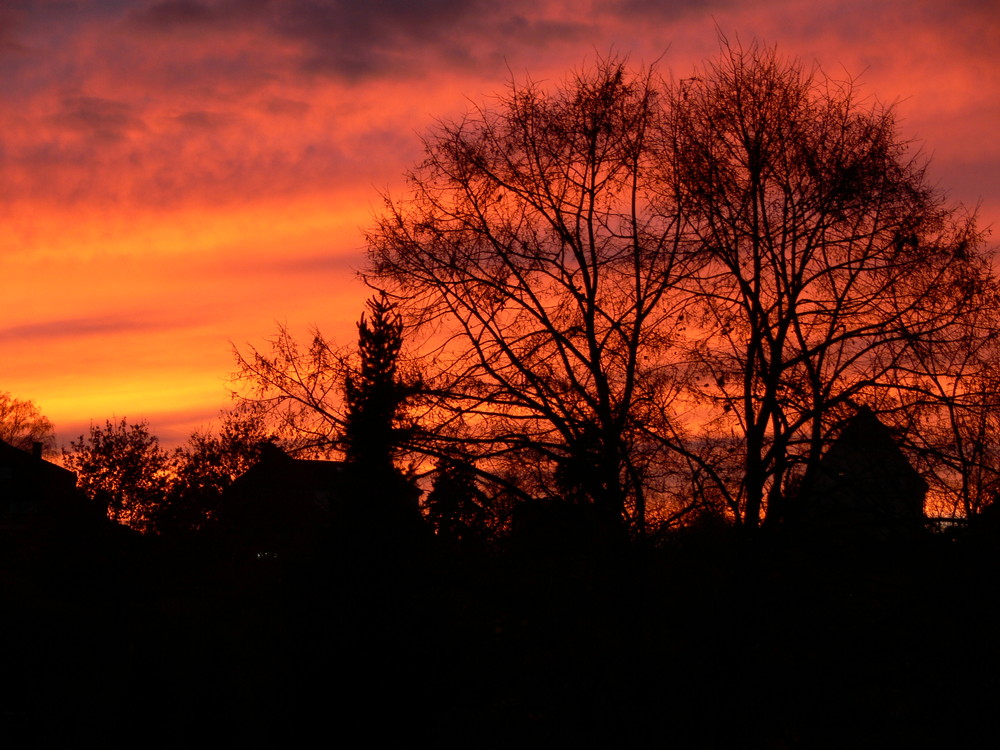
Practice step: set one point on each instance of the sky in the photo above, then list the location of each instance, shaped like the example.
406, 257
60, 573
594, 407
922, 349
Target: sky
178, 178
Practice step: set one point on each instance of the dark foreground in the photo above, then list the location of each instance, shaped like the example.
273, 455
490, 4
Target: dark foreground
700, 641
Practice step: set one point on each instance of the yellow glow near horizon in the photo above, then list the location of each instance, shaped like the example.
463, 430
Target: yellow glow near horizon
138, 320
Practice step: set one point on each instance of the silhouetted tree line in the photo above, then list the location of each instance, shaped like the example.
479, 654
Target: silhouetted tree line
661, 298
563, 631
122, 467
666, 298
621, 320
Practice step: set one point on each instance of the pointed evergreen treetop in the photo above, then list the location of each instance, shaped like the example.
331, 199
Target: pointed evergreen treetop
373, 392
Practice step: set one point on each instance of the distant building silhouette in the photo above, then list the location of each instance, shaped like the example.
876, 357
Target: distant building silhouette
280, 506
31, 487
42, 514
865, 485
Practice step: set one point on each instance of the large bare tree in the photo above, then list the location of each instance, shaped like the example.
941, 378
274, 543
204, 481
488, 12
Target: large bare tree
532, 249
834, 271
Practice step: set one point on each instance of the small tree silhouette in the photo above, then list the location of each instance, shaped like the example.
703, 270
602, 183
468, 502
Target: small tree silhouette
22, 424
456, 507
122, 467
205, 467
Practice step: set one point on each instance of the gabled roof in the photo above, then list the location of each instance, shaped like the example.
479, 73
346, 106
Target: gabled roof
22, 472
281, 491
867, 447
38, 497
276, 470
865, 471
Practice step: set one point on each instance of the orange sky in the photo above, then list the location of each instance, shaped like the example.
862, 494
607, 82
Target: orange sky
176, 176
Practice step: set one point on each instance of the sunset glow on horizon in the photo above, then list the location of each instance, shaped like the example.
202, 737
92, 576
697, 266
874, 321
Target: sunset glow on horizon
180, 177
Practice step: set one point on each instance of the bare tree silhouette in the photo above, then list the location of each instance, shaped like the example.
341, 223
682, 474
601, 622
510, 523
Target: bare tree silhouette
297, 391
531, 243
833, 267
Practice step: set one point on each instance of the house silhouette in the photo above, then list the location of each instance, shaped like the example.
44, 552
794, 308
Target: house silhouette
44, 519
280, 507
31, 487
865, 485
285, 507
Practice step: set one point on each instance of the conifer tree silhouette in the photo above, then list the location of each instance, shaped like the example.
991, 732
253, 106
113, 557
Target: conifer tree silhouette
374, 393
381, 499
